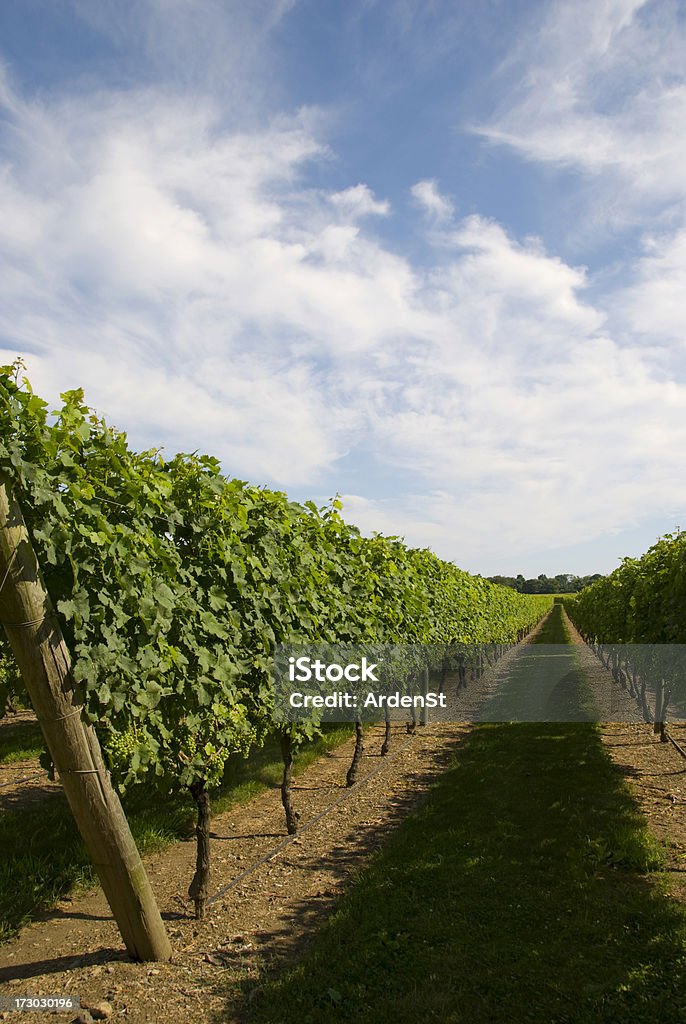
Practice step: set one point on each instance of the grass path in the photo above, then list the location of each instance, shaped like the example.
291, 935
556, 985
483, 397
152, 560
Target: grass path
523, 890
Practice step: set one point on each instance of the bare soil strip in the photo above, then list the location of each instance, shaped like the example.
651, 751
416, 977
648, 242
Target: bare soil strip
611, 700
23, 781
76, 948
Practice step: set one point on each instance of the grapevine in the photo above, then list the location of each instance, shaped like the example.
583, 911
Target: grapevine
174, 584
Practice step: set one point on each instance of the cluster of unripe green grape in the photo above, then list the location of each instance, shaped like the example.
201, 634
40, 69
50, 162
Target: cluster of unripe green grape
206, 761
119, 748
201, 752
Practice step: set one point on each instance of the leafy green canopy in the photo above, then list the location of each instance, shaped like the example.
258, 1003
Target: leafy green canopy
173, 585
641, 602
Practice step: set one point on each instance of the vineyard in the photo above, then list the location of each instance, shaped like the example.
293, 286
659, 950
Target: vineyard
641, 602
635, 621
173, 585
168, 588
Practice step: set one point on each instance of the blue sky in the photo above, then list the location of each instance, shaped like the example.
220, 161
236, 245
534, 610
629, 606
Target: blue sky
431, 255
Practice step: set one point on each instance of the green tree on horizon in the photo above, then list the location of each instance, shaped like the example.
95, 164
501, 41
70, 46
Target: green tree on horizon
562, 583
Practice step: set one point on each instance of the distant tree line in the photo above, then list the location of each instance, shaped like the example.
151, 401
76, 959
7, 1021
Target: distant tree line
563, 583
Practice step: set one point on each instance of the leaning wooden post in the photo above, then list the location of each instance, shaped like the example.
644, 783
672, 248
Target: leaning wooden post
43, 658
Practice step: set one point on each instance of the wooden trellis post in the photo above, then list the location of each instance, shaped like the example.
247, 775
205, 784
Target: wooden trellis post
34, 634
424, 711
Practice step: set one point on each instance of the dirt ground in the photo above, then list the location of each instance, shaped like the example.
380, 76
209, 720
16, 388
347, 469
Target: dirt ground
76, 949
265, 917
22, 781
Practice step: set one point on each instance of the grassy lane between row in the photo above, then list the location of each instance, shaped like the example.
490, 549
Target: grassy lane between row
43, 857
524, 889
546, 682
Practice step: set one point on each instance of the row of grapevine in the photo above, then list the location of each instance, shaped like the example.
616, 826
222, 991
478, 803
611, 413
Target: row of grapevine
634, 619
641, 602
173, 585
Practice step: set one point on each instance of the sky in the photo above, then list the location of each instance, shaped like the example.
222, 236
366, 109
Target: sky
427, 255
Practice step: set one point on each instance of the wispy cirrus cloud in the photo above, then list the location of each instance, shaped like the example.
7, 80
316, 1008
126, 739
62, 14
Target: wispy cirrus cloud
218, 47
600, 87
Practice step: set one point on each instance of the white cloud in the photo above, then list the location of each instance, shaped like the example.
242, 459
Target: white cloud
185, 271
521, 276
515, 469
359, 201
653, 305
427, 196
157, 258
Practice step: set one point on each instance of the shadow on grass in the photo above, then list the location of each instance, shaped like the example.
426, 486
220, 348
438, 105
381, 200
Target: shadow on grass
517, 893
